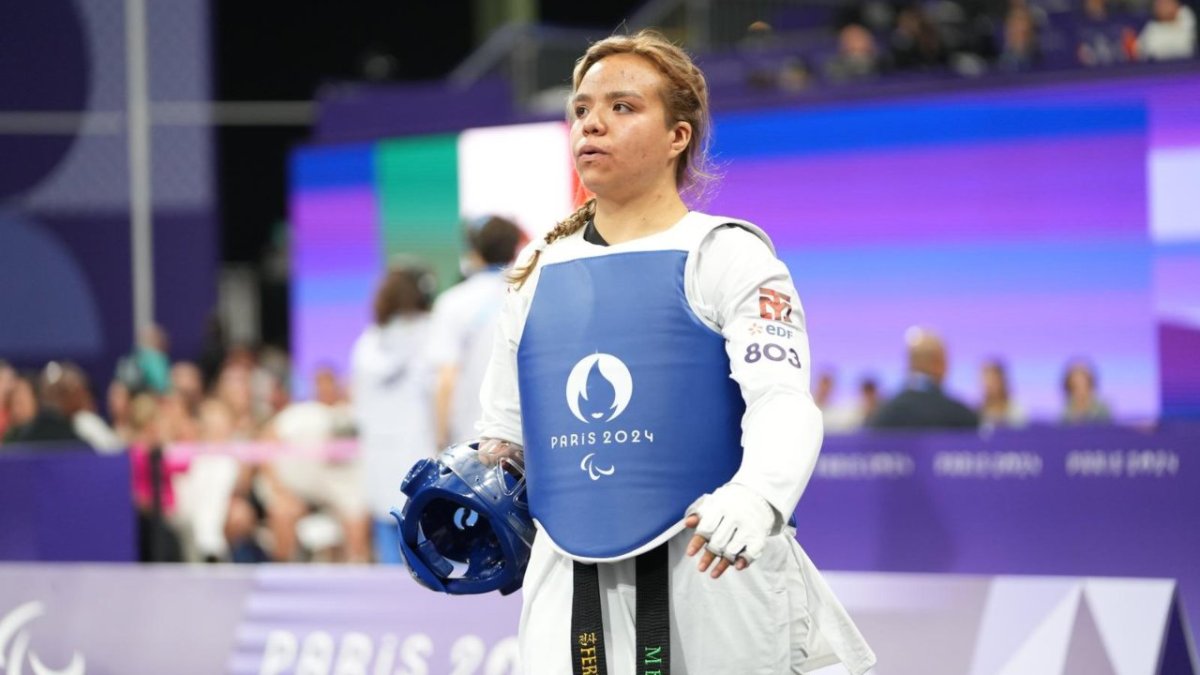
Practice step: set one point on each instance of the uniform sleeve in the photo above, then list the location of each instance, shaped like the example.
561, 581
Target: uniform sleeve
498, 394
748, 295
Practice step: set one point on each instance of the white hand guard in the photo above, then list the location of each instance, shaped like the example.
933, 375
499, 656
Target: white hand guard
735, 521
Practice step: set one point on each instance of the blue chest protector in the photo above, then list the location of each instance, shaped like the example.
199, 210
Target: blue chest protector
628, 410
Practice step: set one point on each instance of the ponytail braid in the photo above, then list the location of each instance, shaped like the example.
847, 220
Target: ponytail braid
572, 224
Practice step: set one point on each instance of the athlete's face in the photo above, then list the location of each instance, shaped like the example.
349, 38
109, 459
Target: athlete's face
619, 134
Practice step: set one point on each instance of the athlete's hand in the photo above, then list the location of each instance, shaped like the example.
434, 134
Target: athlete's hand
732, 524
493, 450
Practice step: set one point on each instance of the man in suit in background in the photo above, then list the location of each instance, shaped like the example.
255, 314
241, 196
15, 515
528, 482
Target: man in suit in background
922, 404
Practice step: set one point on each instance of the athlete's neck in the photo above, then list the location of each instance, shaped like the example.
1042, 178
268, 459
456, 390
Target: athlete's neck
641, 216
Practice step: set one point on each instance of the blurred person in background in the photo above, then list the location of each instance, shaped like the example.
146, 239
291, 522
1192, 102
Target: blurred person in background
1170, 34
303, 474
1021, 50
464, 321
8, 381
50, 422
1102, 37
242, 512
234, 389
392, 396
998, 409
857, 56
152, 478
869, 400
916, 43
67, 386
188, 382
1082, 404
837, 418
117, 399
922, 404
147, 368
22, 405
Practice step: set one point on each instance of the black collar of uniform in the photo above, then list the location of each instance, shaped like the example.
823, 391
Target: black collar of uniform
592, 236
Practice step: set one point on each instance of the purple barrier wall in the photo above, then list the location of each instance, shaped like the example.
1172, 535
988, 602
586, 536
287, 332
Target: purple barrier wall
65, 504
1089, 501
319, 620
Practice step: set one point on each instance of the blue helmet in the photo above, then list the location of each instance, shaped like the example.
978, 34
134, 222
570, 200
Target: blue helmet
463, 513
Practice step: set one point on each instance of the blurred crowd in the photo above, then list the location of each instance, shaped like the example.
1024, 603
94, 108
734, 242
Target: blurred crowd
865, 40
922, 402
227, 466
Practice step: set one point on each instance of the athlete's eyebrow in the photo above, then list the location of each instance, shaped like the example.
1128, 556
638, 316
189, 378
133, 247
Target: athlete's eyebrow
612, 95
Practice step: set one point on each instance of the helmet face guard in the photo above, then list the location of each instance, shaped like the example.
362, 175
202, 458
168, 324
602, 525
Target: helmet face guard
466, 527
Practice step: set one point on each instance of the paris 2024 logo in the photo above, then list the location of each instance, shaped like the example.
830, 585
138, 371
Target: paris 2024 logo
599, 388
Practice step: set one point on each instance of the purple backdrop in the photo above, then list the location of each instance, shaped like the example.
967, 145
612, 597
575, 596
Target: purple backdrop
1087, 501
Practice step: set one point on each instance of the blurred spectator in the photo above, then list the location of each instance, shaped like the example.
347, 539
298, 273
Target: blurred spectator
147, 368
846, 417
794, 75
225, 489
188, 382
1171, 34
1101, 37
857, 56
997, 408
392, 396
22, 405
152, 475
1021, 48
301, 475
235, 391
118, 399
869, 400
49, 422
922, 404
67, 387
1080, 389
464, 320
915, 42
213, 351
8, 380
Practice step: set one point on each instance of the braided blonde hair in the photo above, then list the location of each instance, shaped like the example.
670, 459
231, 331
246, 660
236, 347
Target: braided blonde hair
685, 98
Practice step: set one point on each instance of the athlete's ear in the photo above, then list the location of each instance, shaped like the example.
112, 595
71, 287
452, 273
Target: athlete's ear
681, 135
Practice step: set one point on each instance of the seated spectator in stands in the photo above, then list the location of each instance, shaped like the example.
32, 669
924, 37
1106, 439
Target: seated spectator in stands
1101, 37
1080, 389
234, 388
188, 382
227, 512
303, 475
997, 408
1171, 34
152, 483
8, 380
869, 400
857, 56
916, 43
922, 404
67, 386
147, 368
21, 407
117, 398
844, 418
49, 423
1022, 50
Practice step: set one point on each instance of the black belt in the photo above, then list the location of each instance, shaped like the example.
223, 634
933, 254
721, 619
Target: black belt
653, 618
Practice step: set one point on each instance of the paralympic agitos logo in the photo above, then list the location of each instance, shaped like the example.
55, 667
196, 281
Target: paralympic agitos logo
599, 388
14, 644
